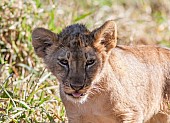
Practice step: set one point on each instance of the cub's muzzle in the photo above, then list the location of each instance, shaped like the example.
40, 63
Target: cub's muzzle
76, 87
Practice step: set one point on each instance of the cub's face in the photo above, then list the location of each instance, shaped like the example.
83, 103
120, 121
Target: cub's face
76, 56
75, 69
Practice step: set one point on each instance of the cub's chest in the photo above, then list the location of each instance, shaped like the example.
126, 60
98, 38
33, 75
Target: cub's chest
92, 111
93, 114
97, 119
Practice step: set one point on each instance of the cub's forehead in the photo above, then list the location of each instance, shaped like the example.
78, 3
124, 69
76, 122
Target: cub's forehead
76, 52
73, 29
75, 36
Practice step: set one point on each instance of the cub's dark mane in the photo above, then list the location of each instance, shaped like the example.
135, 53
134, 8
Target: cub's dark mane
76, 36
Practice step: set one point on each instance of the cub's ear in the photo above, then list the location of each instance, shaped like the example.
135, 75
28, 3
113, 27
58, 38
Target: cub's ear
106, 35
41, 40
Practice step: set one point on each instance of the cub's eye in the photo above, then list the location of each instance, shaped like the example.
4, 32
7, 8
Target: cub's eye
90, 62
63, 62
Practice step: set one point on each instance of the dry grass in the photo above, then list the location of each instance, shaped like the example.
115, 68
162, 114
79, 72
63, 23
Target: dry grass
28, 92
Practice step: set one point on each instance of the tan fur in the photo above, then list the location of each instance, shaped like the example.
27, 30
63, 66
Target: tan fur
117, 84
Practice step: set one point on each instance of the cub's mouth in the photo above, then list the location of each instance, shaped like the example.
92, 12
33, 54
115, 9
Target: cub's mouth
76, 94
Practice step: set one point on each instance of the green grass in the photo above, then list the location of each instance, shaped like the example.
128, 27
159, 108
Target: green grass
28, 92
31, 99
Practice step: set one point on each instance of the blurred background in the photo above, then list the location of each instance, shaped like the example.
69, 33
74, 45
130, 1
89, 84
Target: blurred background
28, 92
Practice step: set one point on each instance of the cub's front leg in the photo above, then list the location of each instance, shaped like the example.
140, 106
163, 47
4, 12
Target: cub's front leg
124, 118
129, 115
84, 119
132, 119
75, 119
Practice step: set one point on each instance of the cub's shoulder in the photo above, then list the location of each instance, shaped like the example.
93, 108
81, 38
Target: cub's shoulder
142, 52
141, 49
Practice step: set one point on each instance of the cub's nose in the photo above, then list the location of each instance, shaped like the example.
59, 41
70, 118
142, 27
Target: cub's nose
76, 87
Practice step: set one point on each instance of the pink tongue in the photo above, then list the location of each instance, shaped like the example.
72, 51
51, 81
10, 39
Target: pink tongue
75, 94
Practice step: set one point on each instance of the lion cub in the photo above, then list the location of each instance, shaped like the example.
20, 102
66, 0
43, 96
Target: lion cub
104, 83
